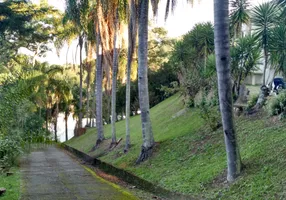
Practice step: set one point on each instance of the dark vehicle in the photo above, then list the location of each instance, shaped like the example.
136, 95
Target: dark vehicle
278, 84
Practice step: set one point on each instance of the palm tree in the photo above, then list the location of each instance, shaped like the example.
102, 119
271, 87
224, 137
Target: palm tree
132, 35
221, 31
264, 18
147, 133
66, 102
88, 68
277, 47
245, 56
114, 78
99, 75
105, 19
59, 92
202, 40
77, 12
282, 5
239, 15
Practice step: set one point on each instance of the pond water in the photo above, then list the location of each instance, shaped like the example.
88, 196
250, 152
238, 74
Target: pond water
61, 127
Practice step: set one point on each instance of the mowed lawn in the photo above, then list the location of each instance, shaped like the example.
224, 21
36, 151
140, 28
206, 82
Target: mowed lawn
189, 158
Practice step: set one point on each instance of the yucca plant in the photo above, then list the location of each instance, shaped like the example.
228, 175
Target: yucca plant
264, 18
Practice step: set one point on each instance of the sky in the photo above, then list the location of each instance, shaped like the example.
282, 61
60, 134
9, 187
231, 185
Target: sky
184, 18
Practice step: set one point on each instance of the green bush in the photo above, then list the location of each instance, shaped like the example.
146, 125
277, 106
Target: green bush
277, 105
10, 149
209, 112
252, 101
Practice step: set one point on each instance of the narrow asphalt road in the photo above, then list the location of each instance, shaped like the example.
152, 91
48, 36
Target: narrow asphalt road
50, 174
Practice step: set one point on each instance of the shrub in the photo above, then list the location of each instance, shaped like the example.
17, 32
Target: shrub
209, 112
277, 105
10, 149
252, 101
171, 90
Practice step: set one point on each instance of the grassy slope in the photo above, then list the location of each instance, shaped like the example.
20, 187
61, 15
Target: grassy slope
12, 185
191, 159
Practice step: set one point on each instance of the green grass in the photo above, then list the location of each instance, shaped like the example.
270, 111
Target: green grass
12, 185
189, 158
253, 89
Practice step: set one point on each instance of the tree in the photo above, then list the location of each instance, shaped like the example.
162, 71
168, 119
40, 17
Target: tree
189, 60
221, 32
99, 74
58, 92
202, 40
132, 35
159, 48
264, 17
245, 56
282, 5
88, 67
239, 15
77, 12
277, 47
114, 78
147, 133
24, 24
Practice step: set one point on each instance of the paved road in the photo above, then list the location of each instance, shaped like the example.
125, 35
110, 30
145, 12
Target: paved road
50, 174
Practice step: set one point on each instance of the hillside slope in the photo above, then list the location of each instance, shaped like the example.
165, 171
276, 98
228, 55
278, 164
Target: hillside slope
189, 158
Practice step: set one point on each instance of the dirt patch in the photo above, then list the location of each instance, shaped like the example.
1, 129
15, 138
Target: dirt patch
273, 121
219, 181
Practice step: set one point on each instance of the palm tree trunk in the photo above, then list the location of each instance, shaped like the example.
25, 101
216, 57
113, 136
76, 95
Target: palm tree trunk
148, 139
265, 65
56, 121
80, 83
89, 56
92, 115
221, 30
99, 74
67, 56
114, 80
47, 118
132, 34
87, 102
66, 124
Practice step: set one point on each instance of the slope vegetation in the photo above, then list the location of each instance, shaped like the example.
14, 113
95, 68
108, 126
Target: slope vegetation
189, 158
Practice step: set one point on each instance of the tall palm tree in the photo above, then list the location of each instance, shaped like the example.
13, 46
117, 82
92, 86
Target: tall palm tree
77, 12
221, 32
114, 78
106, 17
147, 133
99, 75
132, 35
239, 15
264, 18
61, 93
